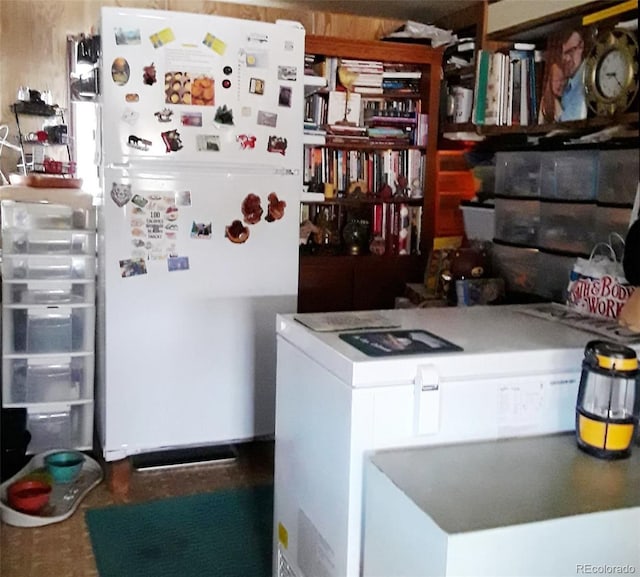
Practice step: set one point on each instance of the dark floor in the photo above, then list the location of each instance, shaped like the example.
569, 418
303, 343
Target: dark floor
64, 549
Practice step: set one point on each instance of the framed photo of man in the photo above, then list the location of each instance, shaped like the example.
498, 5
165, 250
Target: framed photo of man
563, 92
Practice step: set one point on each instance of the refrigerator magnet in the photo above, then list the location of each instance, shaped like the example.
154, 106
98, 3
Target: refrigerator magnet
149, 74
172, 141
256, 86
138, 143
256, 59
247, 141
246, 111
191, 119
267, 118
130, 116
217, 45
284, 98
287, 73
120, 193
236, 232
208, 142
224, 115
202, 91
127, 36
257, 38
175, 263
162, 38
201, 230
131, 97
227, 70
120, 71
289, 45
139, 200
133, 267
164, 115
183, 198
251, 209
277, 144
275, 210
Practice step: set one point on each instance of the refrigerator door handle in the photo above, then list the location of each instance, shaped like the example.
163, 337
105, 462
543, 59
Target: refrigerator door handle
287, 171
427, 401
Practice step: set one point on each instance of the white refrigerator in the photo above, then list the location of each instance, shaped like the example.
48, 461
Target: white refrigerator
201, 144
516, 375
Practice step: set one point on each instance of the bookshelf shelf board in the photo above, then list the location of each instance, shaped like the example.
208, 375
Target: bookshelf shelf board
346, 201
365, 146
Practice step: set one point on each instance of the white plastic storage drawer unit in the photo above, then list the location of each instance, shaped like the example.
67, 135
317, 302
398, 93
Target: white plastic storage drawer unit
517, 220
48, 329
567, 226
46, 216
67, 242
46, 292
618, 174
568, 175
47, 379
60, 425
52, 267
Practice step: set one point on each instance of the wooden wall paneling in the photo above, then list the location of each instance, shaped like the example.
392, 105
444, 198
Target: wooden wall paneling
325, 283
33, 37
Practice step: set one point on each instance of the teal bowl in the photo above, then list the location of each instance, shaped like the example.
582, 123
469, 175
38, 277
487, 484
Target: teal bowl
64, 466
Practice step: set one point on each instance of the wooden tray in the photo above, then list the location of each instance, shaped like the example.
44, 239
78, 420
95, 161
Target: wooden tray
64, 499
45, 181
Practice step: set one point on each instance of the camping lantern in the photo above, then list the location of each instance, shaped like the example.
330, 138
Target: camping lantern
608, 400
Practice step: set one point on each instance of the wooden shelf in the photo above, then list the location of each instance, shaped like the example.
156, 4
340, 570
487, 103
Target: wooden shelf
354, 202
574, 125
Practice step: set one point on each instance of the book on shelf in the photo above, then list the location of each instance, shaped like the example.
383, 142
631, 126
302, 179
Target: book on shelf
402, 74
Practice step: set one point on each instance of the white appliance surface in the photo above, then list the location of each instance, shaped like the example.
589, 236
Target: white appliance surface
529, 506
201, 138
517, 376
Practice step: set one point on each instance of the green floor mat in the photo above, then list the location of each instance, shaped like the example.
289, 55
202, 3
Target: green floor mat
221, 534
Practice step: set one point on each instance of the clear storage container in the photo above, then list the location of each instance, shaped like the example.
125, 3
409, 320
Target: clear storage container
567, 226
568, 175
518, 267
553, 276
518, 173
42, 380
618, 174
611, 219
48, 267
47, 330
15, 241
46, 216
517, 220
43, 292
63, 427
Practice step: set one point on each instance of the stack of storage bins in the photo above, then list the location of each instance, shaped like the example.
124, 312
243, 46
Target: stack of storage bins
48, 320
553, 206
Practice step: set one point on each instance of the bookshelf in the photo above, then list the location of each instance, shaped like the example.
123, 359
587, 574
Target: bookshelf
370, 238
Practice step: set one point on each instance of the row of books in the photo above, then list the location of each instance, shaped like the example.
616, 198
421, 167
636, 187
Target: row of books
371, 170
508, 87
370, 77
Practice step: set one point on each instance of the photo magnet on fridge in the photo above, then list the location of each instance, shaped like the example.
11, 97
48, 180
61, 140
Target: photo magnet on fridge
224, 115
183, 198
133, 267
214, 43
172, 140
284, 98
139, 200
191, 119
162, 38
130, 116
178, 263
201, 230
138, 143
256, 86
208, 142
267, 118
127, 35
120, 71
287, 73
120, 193
247, 141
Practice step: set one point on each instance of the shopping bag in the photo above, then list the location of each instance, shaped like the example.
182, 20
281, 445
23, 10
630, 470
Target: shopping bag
597, 285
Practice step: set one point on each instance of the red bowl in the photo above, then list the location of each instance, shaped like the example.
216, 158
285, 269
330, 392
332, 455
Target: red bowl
28, 496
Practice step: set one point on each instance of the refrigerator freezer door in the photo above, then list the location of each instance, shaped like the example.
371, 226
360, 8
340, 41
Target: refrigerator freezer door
193, 89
